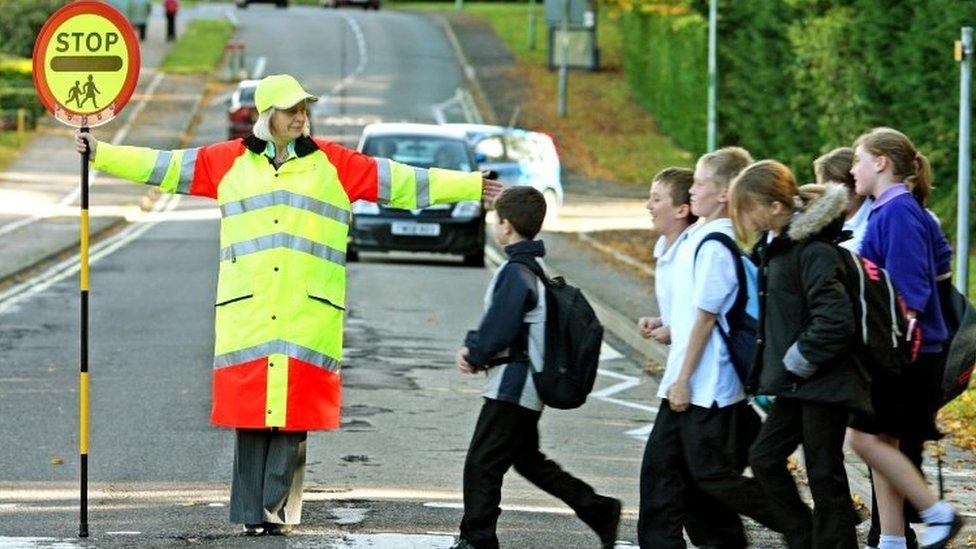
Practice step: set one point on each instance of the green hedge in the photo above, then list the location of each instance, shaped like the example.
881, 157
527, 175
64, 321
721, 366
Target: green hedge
799, 77
21, 22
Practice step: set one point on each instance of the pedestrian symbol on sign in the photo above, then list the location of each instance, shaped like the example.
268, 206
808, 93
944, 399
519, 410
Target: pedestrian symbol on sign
90, 91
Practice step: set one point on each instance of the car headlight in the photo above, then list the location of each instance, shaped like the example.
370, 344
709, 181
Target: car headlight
362, 207
468, 208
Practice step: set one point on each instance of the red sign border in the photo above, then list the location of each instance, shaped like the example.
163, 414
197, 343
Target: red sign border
44, 38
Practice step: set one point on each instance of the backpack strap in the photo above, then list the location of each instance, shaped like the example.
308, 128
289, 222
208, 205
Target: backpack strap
533, 265
726, 241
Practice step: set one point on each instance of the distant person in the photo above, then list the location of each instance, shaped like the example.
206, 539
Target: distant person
281, 291
171, 7
507, 432
139, 11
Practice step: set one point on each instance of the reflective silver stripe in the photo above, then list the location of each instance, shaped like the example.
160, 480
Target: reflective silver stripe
186, 170
277, 347
423, 187
159, 170
286, 198
282, 240
384, 180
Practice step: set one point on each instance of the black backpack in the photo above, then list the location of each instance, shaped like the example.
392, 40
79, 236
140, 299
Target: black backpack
740, 339
888, 342
573, 339
960, 319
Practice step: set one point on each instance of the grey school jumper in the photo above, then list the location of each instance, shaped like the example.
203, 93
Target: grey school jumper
513, 325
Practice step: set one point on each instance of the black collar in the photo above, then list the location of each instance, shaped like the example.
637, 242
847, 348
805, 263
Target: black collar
304, 146
534, 248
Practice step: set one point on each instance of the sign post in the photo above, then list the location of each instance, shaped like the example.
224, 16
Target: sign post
86, 65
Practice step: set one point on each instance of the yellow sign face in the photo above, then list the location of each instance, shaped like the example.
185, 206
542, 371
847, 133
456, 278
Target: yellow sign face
86, 63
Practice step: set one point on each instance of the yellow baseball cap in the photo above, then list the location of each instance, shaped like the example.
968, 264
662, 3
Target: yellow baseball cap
280, 91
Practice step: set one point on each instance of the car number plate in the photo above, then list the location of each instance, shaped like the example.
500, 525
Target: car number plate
401, 228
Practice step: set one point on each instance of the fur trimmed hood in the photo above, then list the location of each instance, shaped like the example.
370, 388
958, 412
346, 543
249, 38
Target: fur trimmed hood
822, 212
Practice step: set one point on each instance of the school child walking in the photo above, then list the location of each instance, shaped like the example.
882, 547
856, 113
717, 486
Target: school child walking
902, 238
669, 204
835, 167
806, 335
507, 432
691, 453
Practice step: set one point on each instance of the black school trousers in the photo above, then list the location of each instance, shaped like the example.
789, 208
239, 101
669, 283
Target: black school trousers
507, 435
691, 478
820, 428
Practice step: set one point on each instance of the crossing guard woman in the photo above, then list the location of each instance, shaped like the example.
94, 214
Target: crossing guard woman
285, 209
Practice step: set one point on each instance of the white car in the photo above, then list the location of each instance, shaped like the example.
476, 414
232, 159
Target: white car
519, 157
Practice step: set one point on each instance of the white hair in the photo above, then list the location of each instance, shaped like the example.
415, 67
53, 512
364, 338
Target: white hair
262, 127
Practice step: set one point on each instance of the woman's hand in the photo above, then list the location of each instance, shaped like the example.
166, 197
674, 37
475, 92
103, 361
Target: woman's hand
489, 188
83, 139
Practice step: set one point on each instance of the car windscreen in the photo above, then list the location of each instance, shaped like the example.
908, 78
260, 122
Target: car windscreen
245, 95
421, 151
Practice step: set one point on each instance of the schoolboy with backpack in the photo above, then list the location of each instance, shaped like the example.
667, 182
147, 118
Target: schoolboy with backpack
691, 456
539, 343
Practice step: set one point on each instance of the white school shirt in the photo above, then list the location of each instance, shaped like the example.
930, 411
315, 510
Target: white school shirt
857, 225
709, 284
664, 270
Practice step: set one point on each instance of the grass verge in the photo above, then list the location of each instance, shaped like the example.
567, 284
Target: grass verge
10, 144
200, 47
606, 134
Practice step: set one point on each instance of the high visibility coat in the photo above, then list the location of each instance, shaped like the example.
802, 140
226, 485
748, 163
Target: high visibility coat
281, 288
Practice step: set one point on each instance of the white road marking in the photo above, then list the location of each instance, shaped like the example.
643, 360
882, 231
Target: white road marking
363, 59
93, 174
32, 543
391, 540
17, 293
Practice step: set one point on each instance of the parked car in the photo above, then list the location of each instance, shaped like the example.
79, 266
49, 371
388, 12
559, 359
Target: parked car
519, 157
457, 228
242, 112
365, 4
278, 3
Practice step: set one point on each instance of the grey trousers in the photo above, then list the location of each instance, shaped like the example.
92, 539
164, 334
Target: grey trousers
269, 467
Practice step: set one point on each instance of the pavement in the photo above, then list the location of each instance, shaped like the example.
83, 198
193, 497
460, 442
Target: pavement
38, 224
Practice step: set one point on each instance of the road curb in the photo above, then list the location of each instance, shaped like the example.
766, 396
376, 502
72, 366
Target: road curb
94, 236
470, 75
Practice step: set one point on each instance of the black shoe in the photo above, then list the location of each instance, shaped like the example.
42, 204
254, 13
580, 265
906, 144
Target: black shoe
253, 529
462, 544
608, 534
277, 529
954, 527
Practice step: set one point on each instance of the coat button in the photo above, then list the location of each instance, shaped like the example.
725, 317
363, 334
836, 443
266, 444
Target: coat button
275, 221
276, 269
276, 174
273, 317
271, 365
269, 412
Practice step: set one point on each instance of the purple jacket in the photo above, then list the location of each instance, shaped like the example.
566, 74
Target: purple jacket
907, 241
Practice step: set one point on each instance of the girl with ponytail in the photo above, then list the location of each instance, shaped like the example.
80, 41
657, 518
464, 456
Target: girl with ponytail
905, 240
805, 348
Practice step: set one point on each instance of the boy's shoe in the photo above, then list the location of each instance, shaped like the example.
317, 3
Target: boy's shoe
462, 544
608, 534
253, 529
954, 527
277, 529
